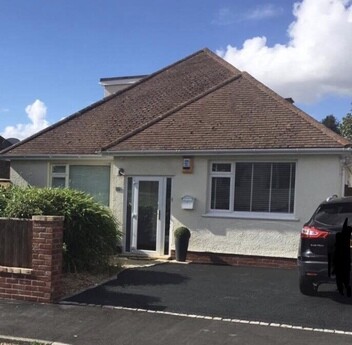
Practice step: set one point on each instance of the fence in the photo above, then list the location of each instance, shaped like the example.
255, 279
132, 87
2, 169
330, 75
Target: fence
16, 243
31, 267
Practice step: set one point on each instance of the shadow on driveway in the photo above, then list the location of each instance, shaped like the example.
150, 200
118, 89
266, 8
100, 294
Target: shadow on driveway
125, 290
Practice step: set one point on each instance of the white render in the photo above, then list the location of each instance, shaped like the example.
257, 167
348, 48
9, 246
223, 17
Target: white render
317, 177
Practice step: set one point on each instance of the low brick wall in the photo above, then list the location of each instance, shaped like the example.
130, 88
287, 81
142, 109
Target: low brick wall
239, 260
41, 282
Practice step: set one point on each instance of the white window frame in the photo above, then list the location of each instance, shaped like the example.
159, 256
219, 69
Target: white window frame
64, 175
230, 213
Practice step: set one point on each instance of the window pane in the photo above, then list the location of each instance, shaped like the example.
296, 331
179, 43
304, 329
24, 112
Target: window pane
148, 196
261, 187
129, 215
243, 187
283, 185
220, 193
265, 187
94, 180
221, 167
60, 169
58, 182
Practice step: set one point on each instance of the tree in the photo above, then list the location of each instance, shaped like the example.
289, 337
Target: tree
346, 126
331, 122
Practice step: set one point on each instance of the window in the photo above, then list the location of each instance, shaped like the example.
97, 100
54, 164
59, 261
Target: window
220, 186
261, 187
91, 179
59, 176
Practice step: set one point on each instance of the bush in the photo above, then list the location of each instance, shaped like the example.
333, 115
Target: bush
91, 233
182, 232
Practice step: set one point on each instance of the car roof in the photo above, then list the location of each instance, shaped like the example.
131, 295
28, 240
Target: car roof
337, 200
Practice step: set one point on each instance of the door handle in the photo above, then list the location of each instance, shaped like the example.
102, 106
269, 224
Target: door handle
159, 214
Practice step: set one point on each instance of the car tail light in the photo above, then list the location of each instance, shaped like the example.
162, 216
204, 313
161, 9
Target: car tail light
312, 232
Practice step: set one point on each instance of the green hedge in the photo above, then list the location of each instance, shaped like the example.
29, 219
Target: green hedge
91, 233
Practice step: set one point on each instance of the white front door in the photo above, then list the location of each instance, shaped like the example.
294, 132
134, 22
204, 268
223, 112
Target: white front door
147, 215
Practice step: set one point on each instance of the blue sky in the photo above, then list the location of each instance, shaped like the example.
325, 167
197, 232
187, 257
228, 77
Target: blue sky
53, 53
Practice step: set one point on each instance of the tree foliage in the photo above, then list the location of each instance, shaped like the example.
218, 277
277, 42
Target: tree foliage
91, 233
331, 122
346, 126
343, 128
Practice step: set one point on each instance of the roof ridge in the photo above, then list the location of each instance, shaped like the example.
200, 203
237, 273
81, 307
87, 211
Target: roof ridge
223, 62
170, 112
303, 115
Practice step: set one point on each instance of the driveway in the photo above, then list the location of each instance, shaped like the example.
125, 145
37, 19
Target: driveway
245, 293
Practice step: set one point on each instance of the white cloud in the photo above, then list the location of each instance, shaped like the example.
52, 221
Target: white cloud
227, 16
316, 59
36, 113
264, 11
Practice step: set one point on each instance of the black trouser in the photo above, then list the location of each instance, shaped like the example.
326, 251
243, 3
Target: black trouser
343, 281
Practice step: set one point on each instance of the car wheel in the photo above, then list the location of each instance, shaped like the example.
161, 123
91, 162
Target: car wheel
307, 287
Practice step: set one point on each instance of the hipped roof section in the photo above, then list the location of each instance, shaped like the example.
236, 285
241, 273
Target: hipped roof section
198, 103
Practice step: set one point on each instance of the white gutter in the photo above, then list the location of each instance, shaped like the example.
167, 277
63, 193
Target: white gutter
57, 157
108, 155
239, 152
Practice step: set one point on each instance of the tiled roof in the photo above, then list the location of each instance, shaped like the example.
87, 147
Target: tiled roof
198, 103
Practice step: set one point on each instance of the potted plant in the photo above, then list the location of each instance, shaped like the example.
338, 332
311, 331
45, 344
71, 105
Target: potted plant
182, 235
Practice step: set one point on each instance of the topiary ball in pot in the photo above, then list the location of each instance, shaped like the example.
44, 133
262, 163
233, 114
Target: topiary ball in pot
182, 235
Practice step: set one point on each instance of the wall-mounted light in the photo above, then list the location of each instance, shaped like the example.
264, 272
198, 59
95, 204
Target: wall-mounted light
121, 172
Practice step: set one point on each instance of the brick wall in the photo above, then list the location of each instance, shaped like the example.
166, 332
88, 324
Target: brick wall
41, 282
239, 260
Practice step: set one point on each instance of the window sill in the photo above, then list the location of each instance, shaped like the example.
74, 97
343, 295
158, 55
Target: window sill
254, 215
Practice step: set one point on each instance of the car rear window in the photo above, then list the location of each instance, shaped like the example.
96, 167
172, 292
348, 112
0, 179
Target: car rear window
334, 214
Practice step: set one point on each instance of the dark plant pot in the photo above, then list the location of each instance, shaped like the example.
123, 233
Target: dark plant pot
181, 246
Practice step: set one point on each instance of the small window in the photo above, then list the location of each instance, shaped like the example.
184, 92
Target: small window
59, 169
59, 176
221, 167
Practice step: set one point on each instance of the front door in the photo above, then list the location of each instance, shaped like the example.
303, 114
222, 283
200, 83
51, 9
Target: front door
147, 215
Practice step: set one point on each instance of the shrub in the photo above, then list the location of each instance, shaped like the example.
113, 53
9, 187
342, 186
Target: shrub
91, 232
182, 232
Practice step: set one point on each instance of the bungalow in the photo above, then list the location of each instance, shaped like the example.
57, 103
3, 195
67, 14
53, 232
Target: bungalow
199, 144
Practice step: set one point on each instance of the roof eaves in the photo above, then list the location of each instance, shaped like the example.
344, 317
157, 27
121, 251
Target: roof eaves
170, 112
341, 140
238, 152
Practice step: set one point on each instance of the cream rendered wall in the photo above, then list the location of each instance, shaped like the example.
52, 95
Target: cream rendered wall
24, 173
317, 177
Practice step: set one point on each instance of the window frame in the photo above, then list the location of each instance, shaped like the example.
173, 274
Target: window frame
231, 213
66, 175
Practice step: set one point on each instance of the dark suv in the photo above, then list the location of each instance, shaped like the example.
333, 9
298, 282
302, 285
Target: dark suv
317, 243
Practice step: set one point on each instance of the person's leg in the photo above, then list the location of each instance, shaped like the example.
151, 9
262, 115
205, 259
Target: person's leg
339, 282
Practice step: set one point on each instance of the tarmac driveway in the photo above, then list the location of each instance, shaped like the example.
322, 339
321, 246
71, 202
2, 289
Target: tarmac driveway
247, 293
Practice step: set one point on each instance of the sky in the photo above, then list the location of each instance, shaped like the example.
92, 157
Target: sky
53, 53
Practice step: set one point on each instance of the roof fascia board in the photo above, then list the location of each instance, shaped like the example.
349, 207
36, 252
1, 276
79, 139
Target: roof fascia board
58, 156
239, 152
